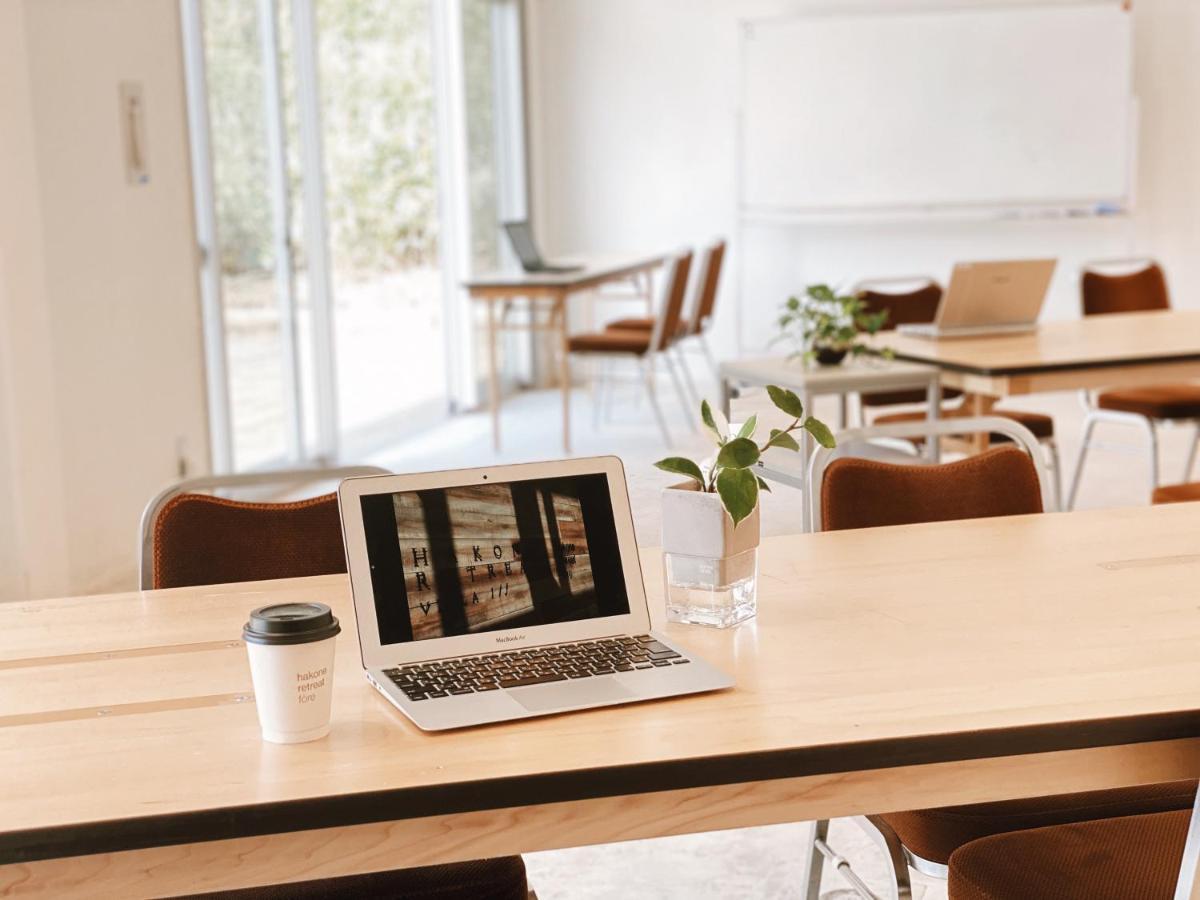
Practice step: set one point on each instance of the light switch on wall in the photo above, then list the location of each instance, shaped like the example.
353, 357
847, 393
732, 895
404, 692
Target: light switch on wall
133, 132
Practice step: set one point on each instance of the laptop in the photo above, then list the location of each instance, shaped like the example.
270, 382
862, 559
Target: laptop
520, 235
484, 595
990, 298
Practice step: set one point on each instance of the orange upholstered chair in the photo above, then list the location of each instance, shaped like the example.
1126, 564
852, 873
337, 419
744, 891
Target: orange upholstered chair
190, 538
648, 345
860, 493
1125, 286
867, 493
1105, 859
915, 306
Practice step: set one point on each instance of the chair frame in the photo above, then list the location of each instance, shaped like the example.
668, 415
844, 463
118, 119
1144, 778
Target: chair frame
1021, 436
222, 482
1146, 425
647, 361
899, 857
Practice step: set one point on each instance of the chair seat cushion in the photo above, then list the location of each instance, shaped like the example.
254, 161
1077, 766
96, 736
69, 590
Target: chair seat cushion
481, 879
1108, 859
645, 323
909, 395
1162, 401
1177, 493
1041, 425
934, 834
613, 341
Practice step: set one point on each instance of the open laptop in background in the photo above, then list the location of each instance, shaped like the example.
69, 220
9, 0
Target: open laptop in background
501, 593
990, 298
520, 235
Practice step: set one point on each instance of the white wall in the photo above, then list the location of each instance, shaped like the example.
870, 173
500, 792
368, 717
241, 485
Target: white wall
104, 355
633, 146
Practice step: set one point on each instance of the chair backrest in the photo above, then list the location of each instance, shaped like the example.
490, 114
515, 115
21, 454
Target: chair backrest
1191, 856
918, 306
672, 293
1140, 290
706, 287
192, 538
849, 492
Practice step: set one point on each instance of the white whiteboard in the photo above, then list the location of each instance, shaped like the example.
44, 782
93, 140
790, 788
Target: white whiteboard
1010, 107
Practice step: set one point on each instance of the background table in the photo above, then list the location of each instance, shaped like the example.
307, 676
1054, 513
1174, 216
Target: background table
500, 290
808, 380
888, 669
1122, 349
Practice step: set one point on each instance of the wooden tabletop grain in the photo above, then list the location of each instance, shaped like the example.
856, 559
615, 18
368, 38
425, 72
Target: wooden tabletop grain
127, 721
1121, 339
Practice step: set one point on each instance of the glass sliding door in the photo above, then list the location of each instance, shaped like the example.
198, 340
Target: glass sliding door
338, 212
249, 199
378, 116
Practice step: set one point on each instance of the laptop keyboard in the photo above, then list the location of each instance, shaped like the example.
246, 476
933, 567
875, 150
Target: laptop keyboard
539, 665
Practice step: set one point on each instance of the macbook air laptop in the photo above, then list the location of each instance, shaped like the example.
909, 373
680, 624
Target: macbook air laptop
501, 593
520, 235
990, 298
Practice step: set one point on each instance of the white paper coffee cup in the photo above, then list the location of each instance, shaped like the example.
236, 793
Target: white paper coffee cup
291, 646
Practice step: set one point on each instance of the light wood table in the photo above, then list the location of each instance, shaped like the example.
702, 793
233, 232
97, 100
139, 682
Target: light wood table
1122, 349
888, 669
547, 293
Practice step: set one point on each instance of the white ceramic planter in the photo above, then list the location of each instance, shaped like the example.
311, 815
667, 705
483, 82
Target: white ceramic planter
711, 567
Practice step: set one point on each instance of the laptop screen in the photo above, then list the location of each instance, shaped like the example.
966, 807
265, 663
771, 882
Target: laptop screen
521, 237
491, 557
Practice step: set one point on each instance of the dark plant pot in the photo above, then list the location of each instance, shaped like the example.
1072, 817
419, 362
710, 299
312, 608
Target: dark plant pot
828, 356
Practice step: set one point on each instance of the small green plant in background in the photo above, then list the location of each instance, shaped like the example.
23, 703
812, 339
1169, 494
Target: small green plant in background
730, 474
825, 320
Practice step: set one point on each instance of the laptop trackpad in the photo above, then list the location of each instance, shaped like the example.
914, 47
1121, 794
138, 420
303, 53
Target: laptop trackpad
563, 694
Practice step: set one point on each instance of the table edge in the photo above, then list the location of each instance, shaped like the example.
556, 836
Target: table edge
1079, 366
200, 826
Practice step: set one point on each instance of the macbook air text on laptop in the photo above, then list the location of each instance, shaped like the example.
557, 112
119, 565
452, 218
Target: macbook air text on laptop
506, 592
989, 298
520, 235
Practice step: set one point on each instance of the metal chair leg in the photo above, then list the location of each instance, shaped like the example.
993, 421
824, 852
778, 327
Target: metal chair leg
684, 403
1152, 439
693, 394
889, 842
599, 386
648, 364
814, 861
1191, 458
708, 355
1056, 464
1089, 425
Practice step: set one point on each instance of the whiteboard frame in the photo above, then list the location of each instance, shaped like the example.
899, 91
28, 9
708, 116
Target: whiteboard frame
1031, 208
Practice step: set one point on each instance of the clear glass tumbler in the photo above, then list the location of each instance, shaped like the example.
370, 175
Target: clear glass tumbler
720, 592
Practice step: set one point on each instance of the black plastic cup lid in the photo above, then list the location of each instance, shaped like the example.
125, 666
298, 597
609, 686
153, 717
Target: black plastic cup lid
290, 623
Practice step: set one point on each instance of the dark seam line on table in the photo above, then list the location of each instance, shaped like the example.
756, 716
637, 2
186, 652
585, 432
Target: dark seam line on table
1051, 367
558, 787
112, 710
30, 662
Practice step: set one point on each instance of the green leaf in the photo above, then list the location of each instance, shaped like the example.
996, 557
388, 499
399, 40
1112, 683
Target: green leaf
738, 453
739, 492
786, 400
820, 432
748, 427
678, 465
709, 418
783, 439
762, 485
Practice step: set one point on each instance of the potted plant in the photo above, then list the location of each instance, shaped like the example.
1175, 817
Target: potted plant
826, 326
710, 525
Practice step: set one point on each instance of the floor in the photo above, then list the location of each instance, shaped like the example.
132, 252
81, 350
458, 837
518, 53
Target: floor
750, 863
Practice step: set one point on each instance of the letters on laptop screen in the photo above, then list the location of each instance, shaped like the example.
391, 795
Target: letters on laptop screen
491, 557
